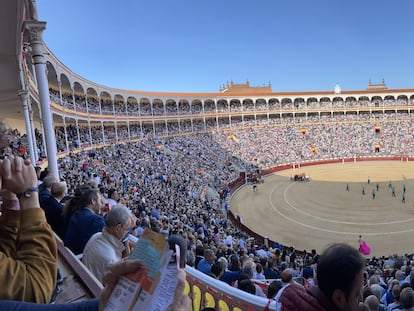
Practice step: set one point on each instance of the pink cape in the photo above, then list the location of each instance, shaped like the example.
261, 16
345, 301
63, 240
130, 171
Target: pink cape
364, 248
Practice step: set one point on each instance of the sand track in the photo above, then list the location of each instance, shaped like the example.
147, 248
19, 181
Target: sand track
313, 214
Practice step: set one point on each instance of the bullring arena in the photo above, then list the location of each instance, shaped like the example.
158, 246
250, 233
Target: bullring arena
174, 159
314, 214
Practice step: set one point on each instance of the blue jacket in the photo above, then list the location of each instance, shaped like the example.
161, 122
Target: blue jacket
43, 197
204, 266
53, 211
230, 276
82, 225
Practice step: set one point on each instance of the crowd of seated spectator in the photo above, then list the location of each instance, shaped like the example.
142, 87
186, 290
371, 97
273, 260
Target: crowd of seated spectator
158, 108
180, 184
267, 143
322, 130
156, 181
29, 252
155, 175
323, 137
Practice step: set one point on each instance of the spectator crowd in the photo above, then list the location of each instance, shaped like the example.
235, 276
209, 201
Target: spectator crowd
179, 184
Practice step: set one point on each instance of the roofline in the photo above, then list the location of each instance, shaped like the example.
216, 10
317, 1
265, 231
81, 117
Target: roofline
266, 94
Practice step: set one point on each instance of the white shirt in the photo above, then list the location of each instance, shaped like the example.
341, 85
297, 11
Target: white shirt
261, 253
97, 180
111, 202
101, 250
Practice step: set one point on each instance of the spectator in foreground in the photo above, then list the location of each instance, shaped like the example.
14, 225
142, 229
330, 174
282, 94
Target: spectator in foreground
407, 299
274, 288
339, 278
28, 251
106, 247
54, 209
247, 285
181, 302
113, 197
45, 189
205, 264
85, 222
372, 303
396, 291
248, 270
217, 270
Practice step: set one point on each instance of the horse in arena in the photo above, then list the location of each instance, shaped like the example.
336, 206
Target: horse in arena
300, 177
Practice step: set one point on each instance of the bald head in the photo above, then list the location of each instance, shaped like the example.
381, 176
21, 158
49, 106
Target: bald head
372, 302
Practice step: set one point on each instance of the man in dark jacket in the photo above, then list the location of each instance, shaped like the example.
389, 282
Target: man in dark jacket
339, 277
54, 209
44, 190
85, 222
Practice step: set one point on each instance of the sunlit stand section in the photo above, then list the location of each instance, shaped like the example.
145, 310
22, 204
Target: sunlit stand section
213, 294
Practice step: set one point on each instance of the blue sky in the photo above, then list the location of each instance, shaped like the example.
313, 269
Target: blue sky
198, 45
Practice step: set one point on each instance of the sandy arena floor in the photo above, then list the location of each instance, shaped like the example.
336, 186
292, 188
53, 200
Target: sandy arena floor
314, 214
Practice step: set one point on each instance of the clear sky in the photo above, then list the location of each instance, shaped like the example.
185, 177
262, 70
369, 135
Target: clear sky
199, 45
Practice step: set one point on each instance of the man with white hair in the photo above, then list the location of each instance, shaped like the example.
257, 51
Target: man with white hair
106, 247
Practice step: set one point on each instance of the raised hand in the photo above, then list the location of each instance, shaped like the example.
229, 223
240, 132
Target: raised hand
17, 174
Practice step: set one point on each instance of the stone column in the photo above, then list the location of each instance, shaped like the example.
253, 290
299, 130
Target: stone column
129, 131
35, 29
34, 142
79, 146
24, 95
66, 134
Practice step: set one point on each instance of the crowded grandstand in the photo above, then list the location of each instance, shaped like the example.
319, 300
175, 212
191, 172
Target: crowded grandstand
125, 161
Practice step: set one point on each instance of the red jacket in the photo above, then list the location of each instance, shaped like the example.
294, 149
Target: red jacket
295, 297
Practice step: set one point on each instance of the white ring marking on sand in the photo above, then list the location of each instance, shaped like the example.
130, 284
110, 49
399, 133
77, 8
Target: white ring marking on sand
341, 222
326, 230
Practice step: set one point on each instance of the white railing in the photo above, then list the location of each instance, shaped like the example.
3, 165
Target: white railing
207, 292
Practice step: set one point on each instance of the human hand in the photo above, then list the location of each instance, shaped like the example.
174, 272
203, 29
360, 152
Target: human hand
110, 279
17, 174
181, 301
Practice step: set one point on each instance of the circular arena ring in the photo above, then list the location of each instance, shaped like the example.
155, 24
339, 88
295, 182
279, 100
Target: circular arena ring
331, 207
